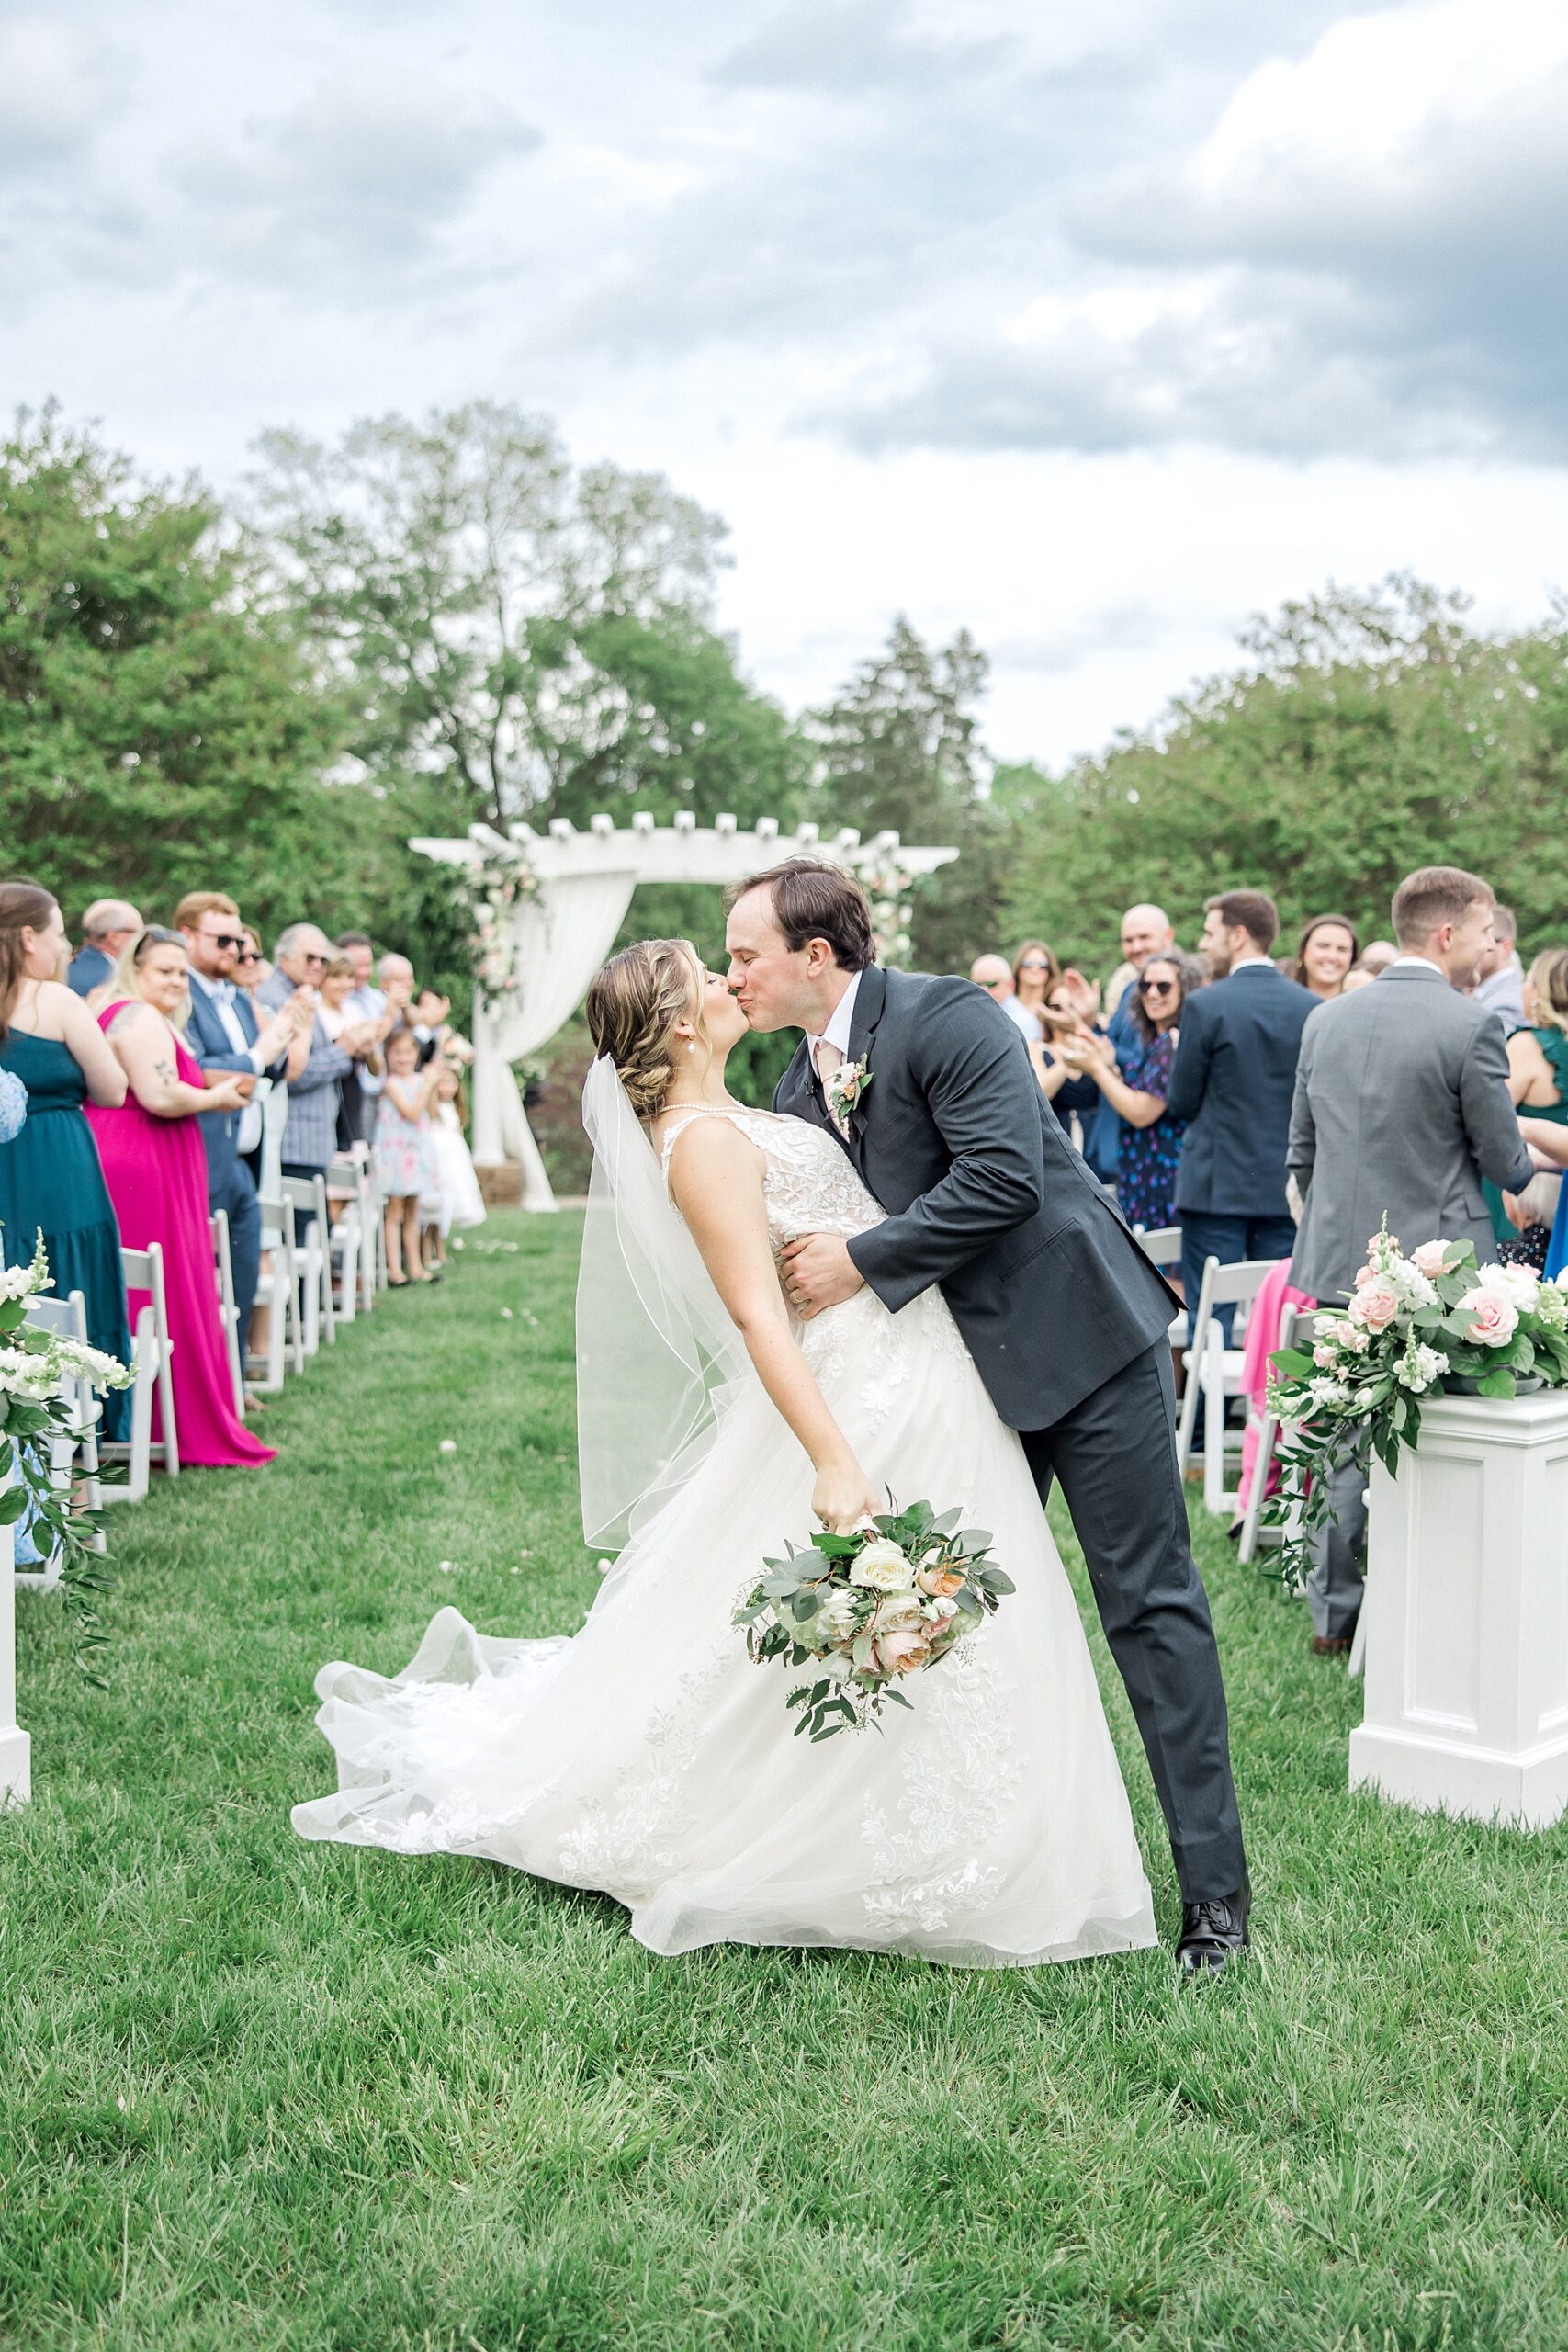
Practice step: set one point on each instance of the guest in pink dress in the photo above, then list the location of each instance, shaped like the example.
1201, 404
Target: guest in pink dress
156, 1168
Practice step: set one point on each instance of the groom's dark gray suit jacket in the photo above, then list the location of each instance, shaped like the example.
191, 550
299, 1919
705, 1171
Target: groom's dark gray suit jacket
985, 1195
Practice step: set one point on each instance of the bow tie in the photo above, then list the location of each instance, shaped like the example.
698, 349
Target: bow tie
223, 991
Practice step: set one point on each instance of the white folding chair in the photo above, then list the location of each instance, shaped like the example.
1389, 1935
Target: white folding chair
348, 1237
223, 1269
278, 1287
1163, 1247
68, 1317
1213, 1370
305, 1200
1263, 1460
150, 1351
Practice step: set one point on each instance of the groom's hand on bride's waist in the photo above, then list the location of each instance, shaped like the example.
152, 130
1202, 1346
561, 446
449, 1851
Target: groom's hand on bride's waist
818, 1271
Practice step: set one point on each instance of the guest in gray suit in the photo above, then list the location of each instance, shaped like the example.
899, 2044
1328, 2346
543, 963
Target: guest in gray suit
1401, 1106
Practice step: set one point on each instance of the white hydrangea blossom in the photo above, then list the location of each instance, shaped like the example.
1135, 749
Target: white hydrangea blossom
1516, 1283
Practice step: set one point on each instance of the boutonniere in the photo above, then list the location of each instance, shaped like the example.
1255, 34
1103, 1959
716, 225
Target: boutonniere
845, 1088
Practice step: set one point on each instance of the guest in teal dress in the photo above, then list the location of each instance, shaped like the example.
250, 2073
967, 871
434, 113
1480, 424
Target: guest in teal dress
1136, 1089
1538, 1080
49, 1175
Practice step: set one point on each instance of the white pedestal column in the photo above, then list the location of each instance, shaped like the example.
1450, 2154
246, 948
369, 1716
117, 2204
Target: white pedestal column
1467, 1615
15, 1747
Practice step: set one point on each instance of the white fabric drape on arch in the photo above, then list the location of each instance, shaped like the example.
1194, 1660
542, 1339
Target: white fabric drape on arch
561, 938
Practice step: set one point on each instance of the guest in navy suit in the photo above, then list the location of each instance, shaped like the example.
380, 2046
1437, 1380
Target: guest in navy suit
224, 1034
1232, 1082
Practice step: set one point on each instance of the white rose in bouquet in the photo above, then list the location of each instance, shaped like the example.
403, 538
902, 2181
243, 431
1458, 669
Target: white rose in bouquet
882, 1567
839, 1615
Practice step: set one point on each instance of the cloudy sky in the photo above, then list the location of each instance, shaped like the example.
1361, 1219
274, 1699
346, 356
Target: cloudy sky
1092, 329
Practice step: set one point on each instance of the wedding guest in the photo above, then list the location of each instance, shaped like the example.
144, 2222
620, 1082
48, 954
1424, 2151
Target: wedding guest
405, 1154
1145, 931
1231, 1086
1324, 952
1151, 1146
994, 973
51, 1179
1070, 1091
1358, 976
1538, 1080
1401, 1106
1035, 974
360, 1086
107, 928
315, 1066
1501, 986
155, 1166
251, 967
225, 1036
1377, 955
432, 1027
460, 1202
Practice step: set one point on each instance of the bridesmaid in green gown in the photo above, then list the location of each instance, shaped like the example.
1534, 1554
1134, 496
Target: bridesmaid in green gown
49, 1174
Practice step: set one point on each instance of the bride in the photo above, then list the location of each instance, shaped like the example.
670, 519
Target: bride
647, 1756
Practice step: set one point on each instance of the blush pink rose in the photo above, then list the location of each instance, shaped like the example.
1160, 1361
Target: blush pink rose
1493, 1319
1376, 1303
904, 1650
1430, 1258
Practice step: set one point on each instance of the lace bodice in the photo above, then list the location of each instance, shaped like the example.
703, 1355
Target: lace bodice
810, 1185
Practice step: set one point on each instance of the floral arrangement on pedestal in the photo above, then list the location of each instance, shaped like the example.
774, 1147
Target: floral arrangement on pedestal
36, 1367
1432, 1320
493, 890
888, 881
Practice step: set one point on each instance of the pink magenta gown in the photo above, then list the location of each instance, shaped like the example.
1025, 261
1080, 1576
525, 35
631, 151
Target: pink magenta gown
156, 1172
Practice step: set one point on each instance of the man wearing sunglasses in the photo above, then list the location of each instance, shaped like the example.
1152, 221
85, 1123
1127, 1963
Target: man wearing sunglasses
310, 1137
225, 1036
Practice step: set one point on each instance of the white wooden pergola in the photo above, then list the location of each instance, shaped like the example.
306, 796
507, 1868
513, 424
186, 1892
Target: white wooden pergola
563, 934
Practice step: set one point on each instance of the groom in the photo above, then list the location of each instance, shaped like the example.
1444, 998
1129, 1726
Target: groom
926, 1085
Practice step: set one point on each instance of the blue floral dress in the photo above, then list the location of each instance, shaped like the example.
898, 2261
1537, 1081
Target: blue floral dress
1145, 1174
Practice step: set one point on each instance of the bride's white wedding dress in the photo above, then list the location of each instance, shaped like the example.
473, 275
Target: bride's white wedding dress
650, 1757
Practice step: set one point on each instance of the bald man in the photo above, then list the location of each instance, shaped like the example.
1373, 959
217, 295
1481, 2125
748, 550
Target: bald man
994, 973
108, 929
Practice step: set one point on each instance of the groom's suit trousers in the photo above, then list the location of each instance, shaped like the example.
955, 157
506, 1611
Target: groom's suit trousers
1152, 1603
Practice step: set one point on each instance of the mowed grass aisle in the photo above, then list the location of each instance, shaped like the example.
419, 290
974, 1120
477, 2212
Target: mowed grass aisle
262, 2094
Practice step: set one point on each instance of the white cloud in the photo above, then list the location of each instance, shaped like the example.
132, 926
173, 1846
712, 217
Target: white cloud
362, 176
58, 87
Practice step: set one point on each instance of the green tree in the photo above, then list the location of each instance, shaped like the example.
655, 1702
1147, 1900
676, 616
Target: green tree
536, 639
1364, 736
899, 750
156, 734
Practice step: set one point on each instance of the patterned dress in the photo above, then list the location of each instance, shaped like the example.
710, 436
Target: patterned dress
1146, 1175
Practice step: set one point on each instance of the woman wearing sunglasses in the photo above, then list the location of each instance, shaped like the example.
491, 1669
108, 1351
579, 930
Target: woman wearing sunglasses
1151, 1153
1035, 972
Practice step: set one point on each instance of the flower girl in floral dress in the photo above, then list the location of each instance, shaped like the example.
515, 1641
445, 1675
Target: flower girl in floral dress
405, 1153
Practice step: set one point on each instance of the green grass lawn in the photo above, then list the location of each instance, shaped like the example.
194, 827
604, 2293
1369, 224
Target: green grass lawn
257, 2093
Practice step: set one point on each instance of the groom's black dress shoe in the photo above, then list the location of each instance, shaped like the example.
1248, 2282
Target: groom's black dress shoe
1211, 1935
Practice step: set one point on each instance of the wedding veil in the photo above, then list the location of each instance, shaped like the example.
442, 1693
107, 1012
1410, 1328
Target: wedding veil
655, 1349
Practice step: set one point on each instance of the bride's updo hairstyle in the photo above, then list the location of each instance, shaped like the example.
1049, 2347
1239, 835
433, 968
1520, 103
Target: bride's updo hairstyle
633, 1006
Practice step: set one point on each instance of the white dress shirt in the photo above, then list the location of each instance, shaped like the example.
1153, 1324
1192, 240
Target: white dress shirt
837, 1033
1424, 961
219, 994
366, 1004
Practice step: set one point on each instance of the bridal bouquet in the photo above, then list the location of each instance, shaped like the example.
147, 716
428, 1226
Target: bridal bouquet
1430, 1320
869, 1609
